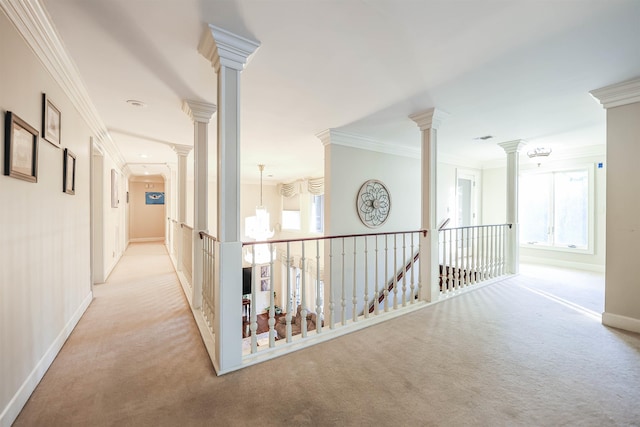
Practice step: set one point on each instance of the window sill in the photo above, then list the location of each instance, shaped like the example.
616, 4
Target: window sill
586, 251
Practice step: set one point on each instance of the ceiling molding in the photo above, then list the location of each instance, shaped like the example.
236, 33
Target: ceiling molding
34, 24
333, 136
616, 95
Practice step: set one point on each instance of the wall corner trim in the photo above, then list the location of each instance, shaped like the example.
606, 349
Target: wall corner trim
15, 405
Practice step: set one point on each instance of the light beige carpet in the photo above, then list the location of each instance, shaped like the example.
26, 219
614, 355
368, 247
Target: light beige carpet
499, 356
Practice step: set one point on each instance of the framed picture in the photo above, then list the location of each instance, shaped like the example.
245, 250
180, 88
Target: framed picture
51, 121
154, 198
265, 276
69, 172
114, 189
20, 149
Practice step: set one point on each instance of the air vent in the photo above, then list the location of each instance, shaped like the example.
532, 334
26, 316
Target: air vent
482, 138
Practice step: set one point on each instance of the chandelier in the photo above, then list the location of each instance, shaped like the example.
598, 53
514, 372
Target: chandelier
539, 152
258, 228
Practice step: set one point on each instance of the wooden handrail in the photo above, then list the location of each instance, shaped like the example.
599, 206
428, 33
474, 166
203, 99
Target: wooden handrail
343, 236
204, 233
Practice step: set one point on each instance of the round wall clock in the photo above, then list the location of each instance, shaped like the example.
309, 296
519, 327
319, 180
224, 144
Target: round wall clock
373, 203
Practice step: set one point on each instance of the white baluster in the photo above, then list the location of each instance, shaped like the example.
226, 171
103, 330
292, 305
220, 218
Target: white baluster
456, 261
365, 303
376, 293
303, 311
254, 315
403, 270
332, 308
290, 308
386, 273
272, 301
412, 261
395, 272
450, 274
319, 296
344, 296
419, 275
354, 300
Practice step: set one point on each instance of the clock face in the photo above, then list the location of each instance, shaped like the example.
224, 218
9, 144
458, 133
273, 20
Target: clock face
373, 203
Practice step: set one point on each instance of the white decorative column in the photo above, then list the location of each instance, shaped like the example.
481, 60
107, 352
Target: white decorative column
200, 113
183, 152
622, 285
228, 54
429, 121
512, 148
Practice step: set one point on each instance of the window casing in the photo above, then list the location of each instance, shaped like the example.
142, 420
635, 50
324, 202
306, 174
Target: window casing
556, 210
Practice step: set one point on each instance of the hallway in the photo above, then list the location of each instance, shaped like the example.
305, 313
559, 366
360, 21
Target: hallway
501, 355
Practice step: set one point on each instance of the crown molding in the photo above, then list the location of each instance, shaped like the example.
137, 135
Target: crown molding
616, 95
199, 111
223, 48
429, 119
333, 136
32, 21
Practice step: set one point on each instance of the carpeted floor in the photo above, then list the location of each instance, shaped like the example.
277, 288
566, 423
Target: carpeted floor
500, 356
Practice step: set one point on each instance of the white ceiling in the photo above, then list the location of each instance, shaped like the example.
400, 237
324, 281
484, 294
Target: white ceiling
511, 69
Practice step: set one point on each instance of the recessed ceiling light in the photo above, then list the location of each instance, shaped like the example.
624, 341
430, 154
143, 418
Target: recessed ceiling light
136, 103
144, 156
482, 138
146, 172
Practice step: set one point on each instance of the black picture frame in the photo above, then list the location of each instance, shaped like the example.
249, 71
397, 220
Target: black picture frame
20, 149
69, 172
51, 122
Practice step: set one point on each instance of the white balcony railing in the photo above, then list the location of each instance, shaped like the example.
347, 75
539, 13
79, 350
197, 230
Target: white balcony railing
471, 255
316, 288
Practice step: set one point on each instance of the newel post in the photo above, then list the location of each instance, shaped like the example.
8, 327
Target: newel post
228, 53
429, 121
512, 148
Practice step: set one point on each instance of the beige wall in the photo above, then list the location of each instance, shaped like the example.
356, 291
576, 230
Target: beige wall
146, 222
45, 234
622, 294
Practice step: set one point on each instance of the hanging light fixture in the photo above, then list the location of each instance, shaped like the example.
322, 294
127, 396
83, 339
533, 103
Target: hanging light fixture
258, 228
539, 152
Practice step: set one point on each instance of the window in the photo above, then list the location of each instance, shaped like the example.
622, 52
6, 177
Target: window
291, 212
555, 209
316, 220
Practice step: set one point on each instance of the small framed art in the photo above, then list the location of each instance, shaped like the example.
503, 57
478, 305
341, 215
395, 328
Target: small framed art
51, 121
69, 172
20, 149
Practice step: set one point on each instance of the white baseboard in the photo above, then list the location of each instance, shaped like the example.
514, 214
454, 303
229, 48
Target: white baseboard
146, 239
621, 322
564, 264
11, 412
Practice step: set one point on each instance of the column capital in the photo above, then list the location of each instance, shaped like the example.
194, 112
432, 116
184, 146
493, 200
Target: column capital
618, 94
512, 146
182, 150
429, 119
223, 48
199, 111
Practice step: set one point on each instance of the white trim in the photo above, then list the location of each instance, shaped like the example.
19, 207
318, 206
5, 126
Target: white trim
333, 136
146, 239
616, 95
34, 24
621, 322
17, 402
598, 268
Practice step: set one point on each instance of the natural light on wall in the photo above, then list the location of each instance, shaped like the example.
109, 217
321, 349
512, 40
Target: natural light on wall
555, 209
